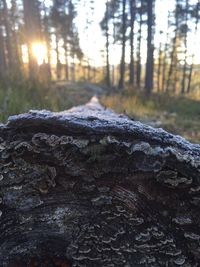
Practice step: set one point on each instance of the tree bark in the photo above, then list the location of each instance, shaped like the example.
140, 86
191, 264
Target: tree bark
87, 187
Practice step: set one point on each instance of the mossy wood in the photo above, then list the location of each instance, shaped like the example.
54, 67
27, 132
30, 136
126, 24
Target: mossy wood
92, 188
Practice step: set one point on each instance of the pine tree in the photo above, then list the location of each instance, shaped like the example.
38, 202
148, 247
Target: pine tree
8, 36
3, 65
139, 41
124, 28
159, 65
150, 47
47, 38
165, 57
197, 16
3, 62
107, 47
105, 28
185, 32
173, 55
132, 4
32, 32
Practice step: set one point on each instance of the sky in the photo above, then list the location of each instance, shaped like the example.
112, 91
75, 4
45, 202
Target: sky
93, 42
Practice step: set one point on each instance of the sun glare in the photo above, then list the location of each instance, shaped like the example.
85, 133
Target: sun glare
39, 50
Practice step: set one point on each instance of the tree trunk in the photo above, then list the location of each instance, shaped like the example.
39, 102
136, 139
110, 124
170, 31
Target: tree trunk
165, 56
8, 31
3, 65
58, 63
138, 71
107, 49
73, 70
150, 48
47, 35
90, 188
88, 69
193, 55
159, 67
122, 64
190, 75
16, 42
66, 60
32, 34
173, 52
131, 66
164, 68
183, 84
175, 79
113, 75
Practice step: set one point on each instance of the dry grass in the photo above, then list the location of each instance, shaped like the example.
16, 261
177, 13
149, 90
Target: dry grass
177, 115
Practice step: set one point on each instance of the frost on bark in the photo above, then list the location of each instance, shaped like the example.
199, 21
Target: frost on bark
88, 187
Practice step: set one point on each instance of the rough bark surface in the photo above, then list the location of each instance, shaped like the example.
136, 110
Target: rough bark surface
87, 187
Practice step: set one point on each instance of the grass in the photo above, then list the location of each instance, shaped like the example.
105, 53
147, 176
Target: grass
178, 115
21, 97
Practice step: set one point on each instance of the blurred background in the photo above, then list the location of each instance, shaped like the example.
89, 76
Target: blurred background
140, 57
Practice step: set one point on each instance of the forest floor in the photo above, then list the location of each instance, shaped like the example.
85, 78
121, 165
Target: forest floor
177, 115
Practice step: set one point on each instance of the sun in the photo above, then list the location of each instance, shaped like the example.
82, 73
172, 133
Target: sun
39, 51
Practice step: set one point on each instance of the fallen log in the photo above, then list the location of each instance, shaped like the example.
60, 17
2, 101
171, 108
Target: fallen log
88, 187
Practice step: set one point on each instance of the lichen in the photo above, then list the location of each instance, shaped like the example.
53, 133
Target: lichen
182, 220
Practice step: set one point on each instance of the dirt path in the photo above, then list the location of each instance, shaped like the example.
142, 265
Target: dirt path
72, 94
90, 89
